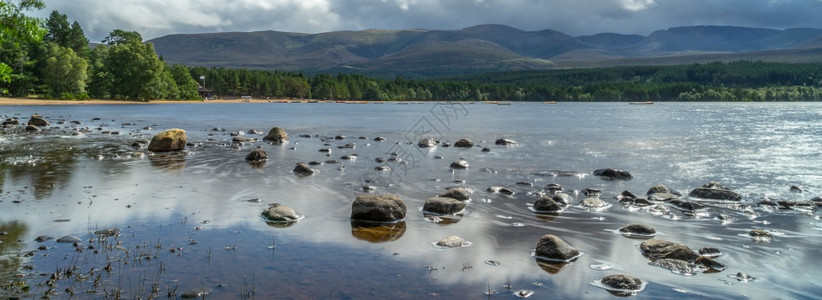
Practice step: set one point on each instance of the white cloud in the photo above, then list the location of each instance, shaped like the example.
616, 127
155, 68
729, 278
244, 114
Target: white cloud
154, 18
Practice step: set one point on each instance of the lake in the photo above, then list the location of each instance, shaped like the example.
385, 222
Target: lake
191, 221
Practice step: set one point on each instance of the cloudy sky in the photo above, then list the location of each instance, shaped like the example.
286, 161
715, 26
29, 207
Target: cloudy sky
154, 18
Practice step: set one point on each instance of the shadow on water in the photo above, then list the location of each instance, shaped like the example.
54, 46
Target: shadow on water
11, 260
377, 233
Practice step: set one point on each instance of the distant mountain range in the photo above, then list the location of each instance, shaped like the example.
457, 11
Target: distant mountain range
483, 48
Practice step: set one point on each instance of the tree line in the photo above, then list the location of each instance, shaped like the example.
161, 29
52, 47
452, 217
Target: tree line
52, 58
735, 81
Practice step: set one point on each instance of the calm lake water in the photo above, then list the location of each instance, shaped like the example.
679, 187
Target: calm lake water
187, 223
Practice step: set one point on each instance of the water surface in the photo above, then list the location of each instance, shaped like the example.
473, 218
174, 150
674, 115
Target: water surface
186, 222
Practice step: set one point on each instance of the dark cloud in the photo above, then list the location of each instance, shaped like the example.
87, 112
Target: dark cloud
154, 18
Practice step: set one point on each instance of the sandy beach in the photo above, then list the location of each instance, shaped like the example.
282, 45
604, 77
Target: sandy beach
32, 101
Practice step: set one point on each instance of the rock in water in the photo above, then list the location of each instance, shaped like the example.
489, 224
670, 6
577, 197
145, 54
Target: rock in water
504, 142
38, 120
659, 188
458, 193
613, 174
443, 205
378, 208
169, 140
278, 213
553, 248
256, 155
460, 164
276, 135
303, 170
453, 242
715, 191
622, 284
426, 143
676, 266
547, 204
638, 229
659, 249
464, 143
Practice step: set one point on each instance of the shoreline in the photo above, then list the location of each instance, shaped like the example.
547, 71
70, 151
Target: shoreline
6, 101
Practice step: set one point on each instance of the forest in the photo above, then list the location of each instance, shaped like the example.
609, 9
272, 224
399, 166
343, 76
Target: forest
734, 81
53, 59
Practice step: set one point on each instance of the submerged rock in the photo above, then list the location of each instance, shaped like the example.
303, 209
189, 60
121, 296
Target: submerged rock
453, 242
169, 140
195, 293
443, 205
504, 142
710, 263
458, 193
592, 202
464, 143
553, 248
638, 229
32, 128
256, 155
760, 234
659, 249
69, 239
107, 232
303, 170
613, 174
276, 135
500, 190
715, 191
378, 208
278, 213
676, 266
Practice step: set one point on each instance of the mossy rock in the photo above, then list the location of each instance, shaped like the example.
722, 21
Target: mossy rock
169, 140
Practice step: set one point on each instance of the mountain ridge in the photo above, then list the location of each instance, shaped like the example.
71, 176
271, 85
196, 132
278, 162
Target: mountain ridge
486, 47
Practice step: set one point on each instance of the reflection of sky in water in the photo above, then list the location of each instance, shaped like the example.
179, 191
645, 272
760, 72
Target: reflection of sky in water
757, 150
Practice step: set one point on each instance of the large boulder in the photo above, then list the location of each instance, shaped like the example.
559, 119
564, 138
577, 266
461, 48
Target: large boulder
37, 120
715, 191
658, 249
459, 193
378, 208
613, 174
553, 248
276, 135
169, 140
464, 143
278, 213
443, 206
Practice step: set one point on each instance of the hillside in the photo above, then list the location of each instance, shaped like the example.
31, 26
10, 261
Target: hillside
482, 48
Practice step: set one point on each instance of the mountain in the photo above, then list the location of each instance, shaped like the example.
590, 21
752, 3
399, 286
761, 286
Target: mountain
483, 48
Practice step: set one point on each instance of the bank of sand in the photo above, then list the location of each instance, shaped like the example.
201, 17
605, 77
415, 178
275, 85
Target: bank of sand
32, 101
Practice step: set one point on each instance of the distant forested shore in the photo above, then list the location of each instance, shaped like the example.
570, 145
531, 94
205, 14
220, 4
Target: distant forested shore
735, 81
51, 59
